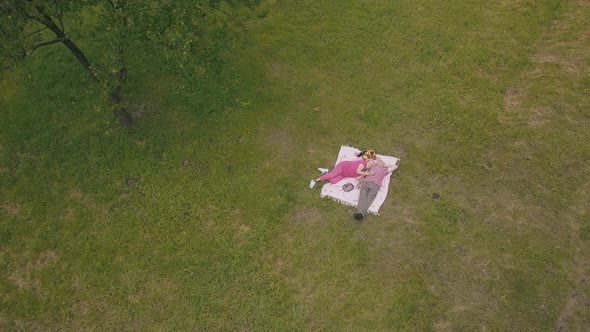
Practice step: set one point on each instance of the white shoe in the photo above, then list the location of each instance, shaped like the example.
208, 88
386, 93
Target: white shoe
311, 184
323, 170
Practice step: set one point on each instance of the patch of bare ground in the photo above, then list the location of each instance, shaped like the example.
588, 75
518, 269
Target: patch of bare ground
306, 216
76, 194
567, 48
512, 99
85, 315
546, 57
68, 215
12, 209
80, 310
443, 326
24, 275
574, 313
164, 290
137, 142
576, 303
21, 325
540, 116
274, 69
563, 53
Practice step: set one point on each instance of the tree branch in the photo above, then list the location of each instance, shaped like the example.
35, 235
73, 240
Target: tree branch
142, 10
35, 18
59, 17
34, 32
58, 40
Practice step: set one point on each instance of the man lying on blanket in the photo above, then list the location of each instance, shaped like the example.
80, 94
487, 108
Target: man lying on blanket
370, 184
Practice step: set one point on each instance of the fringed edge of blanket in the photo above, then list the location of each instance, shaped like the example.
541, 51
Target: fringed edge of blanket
338, 200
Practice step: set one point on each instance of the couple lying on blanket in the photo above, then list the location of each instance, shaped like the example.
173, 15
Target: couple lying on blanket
369, 172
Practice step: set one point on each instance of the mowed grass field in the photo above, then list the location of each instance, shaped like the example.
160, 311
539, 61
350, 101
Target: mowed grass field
200, 218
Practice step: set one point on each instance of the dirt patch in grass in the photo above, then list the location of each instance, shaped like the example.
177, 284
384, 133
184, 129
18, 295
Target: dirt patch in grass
12, 209
81, 309
274, 69
68, 215
575, 303
163, 293
306, 216
512, 99
23, 276
76, 194
569, 65
540, 116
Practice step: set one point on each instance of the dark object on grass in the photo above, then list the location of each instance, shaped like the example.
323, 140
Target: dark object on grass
115, 95
125, 119
435, 196
348, 187
358, 216
131, 181
122, 75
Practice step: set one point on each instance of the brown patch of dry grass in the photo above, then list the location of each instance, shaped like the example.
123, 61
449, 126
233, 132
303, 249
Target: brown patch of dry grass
575, 304
23, 276
563, 53
81, 310
546, 57
12, 209
540, 116
306, 216
156, 290
512, 99
68, 215
274, 69
76, 194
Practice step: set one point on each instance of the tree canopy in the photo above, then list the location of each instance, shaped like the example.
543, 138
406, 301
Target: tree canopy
187, 33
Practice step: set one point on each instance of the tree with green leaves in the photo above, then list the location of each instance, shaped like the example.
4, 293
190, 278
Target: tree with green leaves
178, 30
24, 24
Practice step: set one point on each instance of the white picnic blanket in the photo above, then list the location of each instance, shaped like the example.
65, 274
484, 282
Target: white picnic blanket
335, 191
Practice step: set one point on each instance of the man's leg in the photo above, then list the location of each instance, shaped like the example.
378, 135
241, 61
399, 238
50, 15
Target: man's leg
366, 197
372, 194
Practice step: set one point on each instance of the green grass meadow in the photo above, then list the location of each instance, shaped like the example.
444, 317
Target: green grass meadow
486, 103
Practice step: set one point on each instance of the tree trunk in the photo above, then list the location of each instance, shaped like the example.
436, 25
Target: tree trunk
48, 22
81, 58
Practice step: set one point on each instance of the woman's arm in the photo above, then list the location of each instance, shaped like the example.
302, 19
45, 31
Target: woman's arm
359, 170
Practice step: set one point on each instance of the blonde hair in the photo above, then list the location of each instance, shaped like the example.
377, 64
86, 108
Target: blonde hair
369, 154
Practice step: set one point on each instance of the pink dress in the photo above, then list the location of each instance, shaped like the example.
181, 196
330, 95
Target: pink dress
344, 169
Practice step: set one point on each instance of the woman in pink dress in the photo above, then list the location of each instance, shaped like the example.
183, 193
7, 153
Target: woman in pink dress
347, 168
